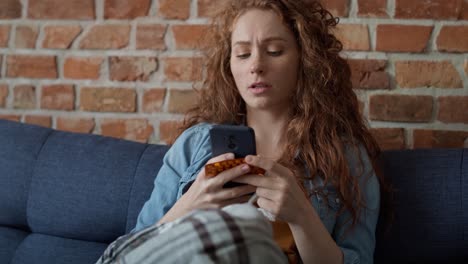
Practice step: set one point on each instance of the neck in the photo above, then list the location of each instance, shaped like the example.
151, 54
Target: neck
269, 127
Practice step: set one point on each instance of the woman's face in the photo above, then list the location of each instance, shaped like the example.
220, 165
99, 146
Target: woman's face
264, 60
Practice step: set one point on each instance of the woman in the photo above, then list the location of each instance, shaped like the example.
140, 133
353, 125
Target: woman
276, 67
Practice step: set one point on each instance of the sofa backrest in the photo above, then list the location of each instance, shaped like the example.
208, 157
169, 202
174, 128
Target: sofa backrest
74, 186
430, 207
65, 196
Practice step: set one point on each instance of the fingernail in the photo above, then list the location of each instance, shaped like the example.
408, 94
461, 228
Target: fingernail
230, 156
248, 158
245, 167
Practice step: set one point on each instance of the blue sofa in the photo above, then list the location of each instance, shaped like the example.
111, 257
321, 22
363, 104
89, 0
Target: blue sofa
65, 196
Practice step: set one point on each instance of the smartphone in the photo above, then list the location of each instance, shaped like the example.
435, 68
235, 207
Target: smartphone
239, 140
236, 139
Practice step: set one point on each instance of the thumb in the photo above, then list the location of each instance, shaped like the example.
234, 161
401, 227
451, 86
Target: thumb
225, 156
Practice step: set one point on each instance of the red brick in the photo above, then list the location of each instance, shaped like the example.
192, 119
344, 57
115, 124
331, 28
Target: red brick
464, 11
439, 139
453, 109
440, 74
59, 9
26, 37
106, 37
78, 125
24, 97
433, 9
181, 100
131, 129
206, 8
353, 36
389, 138
369, 74
169, 130
126, 9
83, 67
45, 121
4, 35
101, 99
10, 9
132, 68
372, 8
174, 9
153, 100
58, 97
15, 118
403, 38
337, 7
3, 94
190, 36
453, 39
401, 108
183, 69
60, 37
30, 66
151, 37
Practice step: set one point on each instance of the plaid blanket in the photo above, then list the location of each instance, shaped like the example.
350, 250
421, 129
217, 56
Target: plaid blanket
234, 234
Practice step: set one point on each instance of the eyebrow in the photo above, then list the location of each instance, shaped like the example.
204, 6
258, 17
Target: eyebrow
265, 40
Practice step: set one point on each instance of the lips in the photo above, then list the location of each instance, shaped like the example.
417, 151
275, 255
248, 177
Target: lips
259, 88
259, 85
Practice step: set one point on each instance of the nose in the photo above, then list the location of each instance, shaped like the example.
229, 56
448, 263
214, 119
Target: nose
256, 69
257, 66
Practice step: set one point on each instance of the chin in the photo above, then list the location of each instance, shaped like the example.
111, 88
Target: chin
259, 105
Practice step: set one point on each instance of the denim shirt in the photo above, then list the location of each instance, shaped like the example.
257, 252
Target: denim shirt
192, 150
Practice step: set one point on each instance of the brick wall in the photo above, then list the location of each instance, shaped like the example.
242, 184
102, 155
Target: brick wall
125, 68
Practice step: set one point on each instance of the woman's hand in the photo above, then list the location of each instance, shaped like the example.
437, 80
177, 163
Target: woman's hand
208, 192
278, 190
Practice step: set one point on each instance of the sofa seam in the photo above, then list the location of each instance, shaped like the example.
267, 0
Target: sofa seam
133, 185
32, 175
29, 194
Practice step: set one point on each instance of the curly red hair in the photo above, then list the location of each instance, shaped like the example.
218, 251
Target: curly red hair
325, 118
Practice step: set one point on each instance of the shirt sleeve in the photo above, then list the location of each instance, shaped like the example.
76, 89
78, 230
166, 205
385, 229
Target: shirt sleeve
183, 158
358, 243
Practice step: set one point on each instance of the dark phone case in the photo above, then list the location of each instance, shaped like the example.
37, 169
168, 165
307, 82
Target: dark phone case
239, 140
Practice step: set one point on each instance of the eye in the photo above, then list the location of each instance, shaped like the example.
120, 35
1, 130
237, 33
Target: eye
275, 53
243, 55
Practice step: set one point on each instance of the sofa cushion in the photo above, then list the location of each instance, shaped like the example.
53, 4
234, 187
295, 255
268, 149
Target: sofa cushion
19, 147
81, 186
38, 248
67, 192
10, 239
428, 225
150, 162
72, 185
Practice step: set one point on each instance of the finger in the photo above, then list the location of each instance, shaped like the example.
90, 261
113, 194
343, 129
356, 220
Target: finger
269, 194
226, 156
268, 205
228, 175
234, 192
266, 164
273, 169
256, 180
238, 200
